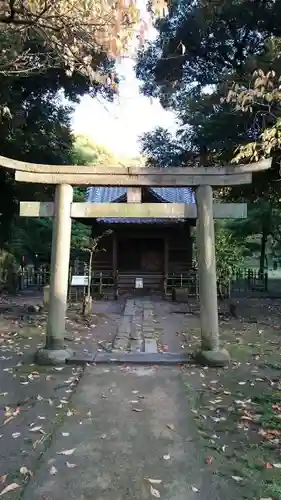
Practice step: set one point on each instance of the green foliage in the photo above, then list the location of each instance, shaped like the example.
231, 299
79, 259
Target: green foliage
7, 259
218, 66
264, 95
229, 253
85, 152
202, 50
161, 149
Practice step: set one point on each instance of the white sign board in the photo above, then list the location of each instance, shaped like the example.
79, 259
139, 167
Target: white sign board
79, 281
138, 283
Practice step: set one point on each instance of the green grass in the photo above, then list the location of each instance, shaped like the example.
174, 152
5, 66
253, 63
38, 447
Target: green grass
246, 454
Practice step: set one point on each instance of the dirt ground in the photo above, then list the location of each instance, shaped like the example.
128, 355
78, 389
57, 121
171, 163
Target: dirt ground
238, 409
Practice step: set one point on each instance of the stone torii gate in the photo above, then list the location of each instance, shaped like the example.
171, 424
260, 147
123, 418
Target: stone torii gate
202, 179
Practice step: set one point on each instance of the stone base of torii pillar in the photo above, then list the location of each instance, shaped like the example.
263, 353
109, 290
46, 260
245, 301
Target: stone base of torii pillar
210, 354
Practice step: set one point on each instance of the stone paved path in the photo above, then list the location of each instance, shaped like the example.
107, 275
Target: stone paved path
150, 325
128, 425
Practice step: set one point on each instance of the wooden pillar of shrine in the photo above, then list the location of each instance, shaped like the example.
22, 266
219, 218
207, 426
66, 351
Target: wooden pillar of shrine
115, 263
166, 262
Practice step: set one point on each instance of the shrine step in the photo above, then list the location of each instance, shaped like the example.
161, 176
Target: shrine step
131, 358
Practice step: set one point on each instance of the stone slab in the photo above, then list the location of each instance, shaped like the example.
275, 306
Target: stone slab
81, 358
129, 308
134, 358
150, 346
136, 345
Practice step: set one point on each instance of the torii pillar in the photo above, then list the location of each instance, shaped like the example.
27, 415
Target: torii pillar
210, 353
55, 351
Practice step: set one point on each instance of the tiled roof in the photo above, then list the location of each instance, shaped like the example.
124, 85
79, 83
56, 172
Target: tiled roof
114, 194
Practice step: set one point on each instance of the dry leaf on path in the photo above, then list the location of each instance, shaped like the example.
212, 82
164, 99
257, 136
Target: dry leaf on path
171, 427
238, 479
25, 471
70, 466
53, 470
155, 493
10, 487
66, 452
7, 420
37, 428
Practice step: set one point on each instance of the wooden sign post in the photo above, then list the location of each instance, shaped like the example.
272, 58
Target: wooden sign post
202, 178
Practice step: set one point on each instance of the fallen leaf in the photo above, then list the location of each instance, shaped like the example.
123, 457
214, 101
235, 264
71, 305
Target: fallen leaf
66, 452
37, 428
155, 493
10, 487
194, 489
70, 466
237, 478
53, 470
154, 481
24, 471
171, 427
6, 421
167, 457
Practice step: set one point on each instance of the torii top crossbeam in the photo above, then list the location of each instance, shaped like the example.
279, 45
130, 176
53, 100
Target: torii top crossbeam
133, 176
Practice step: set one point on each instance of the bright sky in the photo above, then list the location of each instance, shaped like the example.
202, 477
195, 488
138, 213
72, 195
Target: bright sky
118, 125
